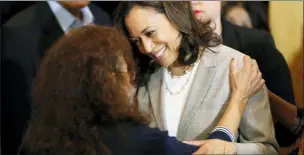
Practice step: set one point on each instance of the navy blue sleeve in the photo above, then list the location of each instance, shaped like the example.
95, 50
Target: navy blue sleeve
219, 135
222, 133
156, 142
175, 147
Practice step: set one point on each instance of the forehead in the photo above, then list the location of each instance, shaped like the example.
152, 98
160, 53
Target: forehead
140, 18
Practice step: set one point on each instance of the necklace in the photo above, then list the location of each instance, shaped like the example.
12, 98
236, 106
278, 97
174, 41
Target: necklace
186, 71
187, 80
193, 67
182, 88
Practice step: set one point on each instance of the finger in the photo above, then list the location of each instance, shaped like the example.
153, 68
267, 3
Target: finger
246, 64
259, 86
201, 150
233, 65
195, 142
258, 77
254, 72
255, 66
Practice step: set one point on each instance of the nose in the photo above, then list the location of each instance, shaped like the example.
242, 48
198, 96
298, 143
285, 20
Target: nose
147, 46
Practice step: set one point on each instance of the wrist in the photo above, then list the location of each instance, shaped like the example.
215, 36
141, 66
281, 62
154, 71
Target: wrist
231, 149
238, 103
237, 95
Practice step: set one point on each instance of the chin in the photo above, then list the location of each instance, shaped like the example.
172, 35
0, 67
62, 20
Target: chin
165, 63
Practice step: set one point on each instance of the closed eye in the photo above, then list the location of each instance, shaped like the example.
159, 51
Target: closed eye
150, 33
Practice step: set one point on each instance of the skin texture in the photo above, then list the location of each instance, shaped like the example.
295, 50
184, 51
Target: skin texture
204, 10
153, 34
74, 7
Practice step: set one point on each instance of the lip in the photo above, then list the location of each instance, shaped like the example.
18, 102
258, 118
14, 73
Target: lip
197, 11
160, 53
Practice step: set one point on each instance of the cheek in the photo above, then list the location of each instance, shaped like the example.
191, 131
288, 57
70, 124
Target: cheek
175, 40
169, 36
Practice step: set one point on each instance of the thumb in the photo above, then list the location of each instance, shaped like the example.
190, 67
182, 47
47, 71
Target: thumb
195, 142
233, 65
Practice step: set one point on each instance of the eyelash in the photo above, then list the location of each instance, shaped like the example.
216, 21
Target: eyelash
148, 34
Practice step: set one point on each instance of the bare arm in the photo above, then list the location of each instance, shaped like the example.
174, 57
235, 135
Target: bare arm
285, 113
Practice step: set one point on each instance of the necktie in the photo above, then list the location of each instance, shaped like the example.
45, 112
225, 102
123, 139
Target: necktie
75, 24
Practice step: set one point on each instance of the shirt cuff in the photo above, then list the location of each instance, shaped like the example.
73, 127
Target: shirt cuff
223, 133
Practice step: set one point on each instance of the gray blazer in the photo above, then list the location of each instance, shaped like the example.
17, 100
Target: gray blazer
206, 102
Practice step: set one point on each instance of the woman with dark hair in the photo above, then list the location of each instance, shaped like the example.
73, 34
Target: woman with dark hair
82, 101
183, 76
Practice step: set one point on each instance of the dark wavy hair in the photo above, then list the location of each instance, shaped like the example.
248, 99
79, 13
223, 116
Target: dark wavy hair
79, 89
194, 33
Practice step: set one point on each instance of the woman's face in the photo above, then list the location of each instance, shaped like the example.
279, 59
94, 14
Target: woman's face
204, 10
153, 34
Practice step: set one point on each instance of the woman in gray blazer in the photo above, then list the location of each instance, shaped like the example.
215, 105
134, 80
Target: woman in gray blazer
183, 76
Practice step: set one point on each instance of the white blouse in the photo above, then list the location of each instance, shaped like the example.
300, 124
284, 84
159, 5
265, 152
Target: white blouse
175, 92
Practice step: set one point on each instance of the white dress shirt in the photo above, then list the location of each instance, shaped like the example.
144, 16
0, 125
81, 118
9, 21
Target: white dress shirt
66, 20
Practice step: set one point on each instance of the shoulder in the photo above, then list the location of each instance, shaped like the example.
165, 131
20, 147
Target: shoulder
22, 26
253, 36
24, 18
221, 56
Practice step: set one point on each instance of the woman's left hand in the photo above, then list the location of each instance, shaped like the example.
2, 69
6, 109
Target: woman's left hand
213, 146
247, 81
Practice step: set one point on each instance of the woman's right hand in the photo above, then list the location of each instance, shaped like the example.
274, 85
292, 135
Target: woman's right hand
247, 81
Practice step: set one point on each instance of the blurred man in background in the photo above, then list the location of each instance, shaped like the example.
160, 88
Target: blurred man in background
26, 37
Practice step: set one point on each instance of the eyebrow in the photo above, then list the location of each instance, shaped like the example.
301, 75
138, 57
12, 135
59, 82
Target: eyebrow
142, 31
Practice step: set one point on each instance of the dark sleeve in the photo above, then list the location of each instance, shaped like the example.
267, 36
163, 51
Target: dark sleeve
220, 134
278, 80
275, 70
154, 141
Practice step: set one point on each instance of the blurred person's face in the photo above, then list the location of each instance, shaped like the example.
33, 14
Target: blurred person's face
74, 4
206, 9
153, 34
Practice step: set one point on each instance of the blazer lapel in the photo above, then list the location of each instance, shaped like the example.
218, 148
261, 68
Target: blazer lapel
51, 30
155, 91
48, 29
202, 80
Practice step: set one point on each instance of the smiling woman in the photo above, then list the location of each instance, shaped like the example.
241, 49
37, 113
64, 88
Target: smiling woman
182, 78
165, 38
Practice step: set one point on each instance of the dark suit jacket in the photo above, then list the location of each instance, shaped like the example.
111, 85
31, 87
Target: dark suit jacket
260, 46
26, 37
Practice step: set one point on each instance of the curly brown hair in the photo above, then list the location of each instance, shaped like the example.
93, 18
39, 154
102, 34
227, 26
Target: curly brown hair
78, 89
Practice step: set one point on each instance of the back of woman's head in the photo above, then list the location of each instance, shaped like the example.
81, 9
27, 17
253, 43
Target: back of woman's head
194, 32
78, 88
